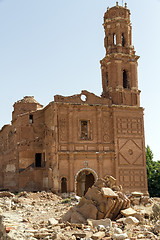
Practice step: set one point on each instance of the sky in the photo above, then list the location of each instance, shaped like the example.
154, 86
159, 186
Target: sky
50, 47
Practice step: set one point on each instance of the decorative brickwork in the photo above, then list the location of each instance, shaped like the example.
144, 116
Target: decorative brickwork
129, 126
63, 128
130, 153
132, 179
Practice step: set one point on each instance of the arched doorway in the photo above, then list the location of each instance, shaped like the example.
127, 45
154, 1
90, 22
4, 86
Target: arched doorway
84, 180
63, 185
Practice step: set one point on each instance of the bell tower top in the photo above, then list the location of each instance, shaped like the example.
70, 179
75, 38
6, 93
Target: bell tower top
119, 66
118, 29
117, 11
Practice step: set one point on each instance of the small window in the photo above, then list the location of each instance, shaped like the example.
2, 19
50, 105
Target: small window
38, 160
84, 130
114, 39
107, 79
30, 118
125, 79
123, 40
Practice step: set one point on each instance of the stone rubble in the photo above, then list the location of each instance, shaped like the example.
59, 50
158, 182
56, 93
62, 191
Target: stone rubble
31, 216
100, 201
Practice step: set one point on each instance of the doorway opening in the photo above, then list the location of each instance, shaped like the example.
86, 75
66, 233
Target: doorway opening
85, 179
63, 185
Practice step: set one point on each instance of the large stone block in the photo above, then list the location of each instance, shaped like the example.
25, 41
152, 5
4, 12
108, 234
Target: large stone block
107, 223
109, 193
128, 212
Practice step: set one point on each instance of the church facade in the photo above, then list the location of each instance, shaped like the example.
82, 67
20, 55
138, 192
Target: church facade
69, 144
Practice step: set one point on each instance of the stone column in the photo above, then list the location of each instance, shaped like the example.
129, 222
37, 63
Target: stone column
119, 73
134, 79
100, 163
70, 128
98, 124
71, 182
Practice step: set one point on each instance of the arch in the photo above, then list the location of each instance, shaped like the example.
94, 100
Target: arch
63, 185
84, 179
123, 40
107, 79
125, 79
114, 39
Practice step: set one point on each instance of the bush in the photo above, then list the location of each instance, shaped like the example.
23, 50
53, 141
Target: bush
66, 200
153, 174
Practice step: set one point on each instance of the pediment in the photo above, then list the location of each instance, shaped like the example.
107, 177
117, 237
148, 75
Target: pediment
84, 97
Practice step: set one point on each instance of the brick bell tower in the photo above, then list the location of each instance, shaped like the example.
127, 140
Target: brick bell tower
120, 85
119, 66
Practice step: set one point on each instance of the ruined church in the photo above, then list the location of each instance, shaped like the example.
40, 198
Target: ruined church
70, 143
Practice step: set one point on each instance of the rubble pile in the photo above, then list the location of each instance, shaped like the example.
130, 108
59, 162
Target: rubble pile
138, 198
103, 200
39, 215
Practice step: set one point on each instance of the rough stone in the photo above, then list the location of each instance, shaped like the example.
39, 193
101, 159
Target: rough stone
76, 217
88, 210
107, 223
157, 226
52, 221
136, 201
156, 210
108, 192
94, 194
6, 194
128, 212
120, 236
137, 194
145, 200
98, 235
101, 228
131, 220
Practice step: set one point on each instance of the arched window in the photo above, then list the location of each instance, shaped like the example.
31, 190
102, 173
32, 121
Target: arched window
114, 39
63, 185
123, 40
30, 118
125, 79
107, 79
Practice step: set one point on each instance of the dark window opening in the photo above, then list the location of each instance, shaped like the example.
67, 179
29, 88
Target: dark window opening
107, 42
125, 79
123, 40
107, 79
38, 160
84, 130
31, 118
63, 185
114, 39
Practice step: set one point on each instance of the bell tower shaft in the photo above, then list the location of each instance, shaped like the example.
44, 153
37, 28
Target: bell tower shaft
119, 66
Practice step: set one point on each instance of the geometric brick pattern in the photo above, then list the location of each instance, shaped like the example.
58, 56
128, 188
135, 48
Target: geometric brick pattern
130, 153
129, 126
131, 178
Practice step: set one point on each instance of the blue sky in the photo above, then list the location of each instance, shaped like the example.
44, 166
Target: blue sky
50, 47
